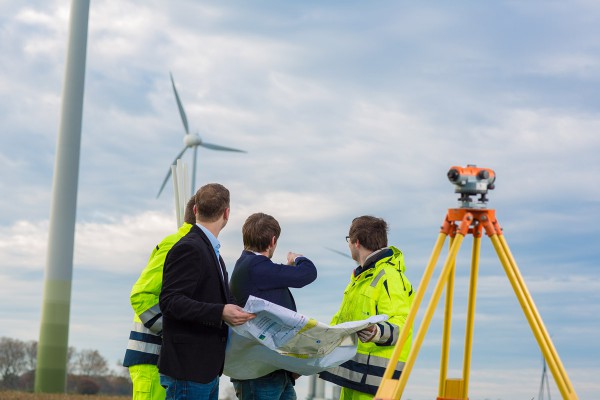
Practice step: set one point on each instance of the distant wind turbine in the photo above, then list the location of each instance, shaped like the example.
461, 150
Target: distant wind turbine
341, 253
190, 140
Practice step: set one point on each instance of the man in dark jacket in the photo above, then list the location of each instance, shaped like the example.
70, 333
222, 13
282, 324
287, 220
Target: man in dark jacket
256, 275
196, 304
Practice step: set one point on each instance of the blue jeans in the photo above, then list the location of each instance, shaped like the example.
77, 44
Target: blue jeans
187, 390
278, 385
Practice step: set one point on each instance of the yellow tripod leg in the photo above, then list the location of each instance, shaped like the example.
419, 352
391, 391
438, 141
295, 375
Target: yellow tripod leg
447, 327
392, 390
386, 388
533, 317
471, 314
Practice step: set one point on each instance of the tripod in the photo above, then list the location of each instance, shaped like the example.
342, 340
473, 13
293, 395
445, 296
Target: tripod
458, 223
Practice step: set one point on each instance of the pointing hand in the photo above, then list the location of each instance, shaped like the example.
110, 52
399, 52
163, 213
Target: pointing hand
291, 257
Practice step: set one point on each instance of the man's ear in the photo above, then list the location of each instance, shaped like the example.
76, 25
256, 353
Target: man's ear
273, 241
195, 210
226, 214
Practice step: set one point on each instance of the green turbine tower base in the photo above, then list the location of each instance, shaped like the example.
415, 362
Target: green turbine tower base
51, 371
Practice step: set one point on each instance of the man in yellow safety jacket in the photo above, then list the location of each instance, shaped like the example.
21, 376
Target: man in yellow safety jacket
145, 338
377, 286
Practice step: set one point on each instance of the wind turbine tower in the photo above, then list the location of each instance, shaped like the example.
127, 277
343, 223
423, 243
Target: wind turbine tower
190, 140
51, 372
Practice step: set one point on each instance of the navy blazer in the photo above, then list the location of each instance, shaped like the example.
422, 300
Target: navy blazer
192, 299
258, 276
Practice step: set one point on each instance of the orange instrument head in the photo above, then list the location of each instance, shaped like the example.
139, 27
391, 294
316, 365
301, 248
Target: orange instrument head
470, 181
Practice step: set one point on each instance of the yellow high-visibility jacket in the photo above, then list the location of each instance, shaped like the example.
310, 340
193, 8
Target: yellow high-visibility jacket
377, 287
145, 337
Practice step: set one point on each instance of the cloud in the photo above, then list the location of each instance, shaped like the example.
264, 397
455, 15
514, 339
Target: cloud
124, 244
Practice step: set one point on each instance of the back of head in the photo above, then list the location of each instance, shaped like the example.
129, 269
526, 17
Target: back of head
371, 232
258, 231
211, 202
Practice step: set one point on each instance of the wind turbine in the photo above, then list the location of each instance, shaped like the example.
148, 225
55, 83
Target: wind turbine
341, 253
190, 140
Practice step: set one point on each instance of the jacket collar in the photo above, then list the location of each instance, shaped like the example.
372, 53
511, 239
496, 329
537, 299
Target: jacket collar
372, 259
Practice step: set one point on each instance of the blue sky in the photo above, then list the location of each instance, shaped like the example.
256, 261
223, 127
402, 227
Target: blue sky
344, 109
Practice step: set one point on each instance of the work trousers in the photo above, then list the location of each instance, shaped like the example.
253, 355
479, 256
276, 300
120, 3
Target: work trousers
350, 394
146, 382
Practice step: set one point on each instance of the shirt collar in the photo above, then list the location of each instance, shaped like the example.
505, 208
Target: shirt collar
212, 238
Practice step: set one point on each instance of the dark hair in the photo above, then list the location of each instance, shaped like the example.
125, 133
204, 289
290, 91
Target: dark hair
188, 215
211, 202
371, 232
258, 230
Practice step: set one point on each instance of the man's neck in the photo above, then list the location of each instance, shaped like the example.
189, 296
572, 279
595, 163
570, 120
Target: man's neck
370, 256
214, 227
260, 253
363, 254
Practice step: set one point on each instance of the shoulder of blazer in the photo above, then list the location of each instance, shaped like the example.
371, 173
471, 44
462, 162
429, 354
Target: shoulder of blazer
196, 231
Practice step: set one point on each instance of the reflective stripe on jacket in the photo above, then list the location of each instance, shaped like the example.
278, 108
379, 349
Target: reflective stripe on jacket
145, 340
379, 288
143, 346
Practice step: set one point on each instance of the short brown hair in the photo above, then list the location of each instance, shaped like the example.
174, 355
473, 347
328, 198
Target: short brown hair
371, 232
188, 215
211, 202
258, 230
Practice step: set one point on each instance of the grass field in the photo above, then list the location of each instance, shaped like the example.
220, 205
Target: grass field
44, 396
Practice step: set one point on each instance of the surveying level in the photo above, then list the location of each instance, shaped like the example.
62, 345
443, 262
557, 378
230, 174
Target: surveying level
471, 219
470, 181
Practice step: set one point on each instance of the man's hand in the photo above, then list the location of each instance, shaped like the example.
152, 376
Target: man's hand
234, 315
291, 257
370, 333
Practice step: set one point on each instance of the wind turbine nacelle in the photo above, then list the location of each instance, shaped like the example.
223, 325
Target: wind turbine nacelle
192, 139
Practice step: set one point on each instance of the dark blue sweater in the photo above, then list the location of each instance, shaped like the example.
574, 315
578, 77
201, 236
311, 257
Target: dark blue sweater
256, 275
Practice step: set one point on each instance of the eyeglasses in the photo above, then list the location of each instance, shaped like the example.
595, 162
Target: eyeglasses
348, 239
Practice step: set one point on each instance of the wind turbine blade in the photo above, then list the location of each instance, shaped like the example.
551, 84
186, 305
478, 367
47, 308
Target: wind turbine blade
222, 148
169, 173
339, 252
181, 111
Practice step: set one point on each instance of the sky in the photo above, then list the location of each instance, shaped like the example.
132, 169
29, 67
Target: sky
345, 109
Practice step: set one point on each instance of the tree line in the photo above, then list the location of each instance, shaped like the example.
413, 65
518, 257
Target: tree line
88, 371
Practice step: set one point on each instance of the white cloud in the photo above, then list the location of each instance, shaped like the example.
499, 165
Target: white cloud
118, 246
50, 27
24, 244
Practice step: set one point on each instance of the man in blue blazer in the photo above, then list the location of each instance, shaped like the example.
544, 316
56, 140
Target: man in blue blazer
256, 275
196, 304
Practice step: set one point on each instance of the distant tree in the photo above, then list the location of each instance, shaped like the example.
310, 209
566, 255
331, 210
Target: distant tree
122, 371
87, 386
26, 381
121, 386
88, 371
30, 356
91, 363
12, 361
71, 358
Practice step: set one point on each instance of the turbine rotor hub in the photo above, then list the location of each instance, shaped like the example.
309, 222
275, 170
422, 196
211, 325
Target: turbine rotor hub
192, 139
